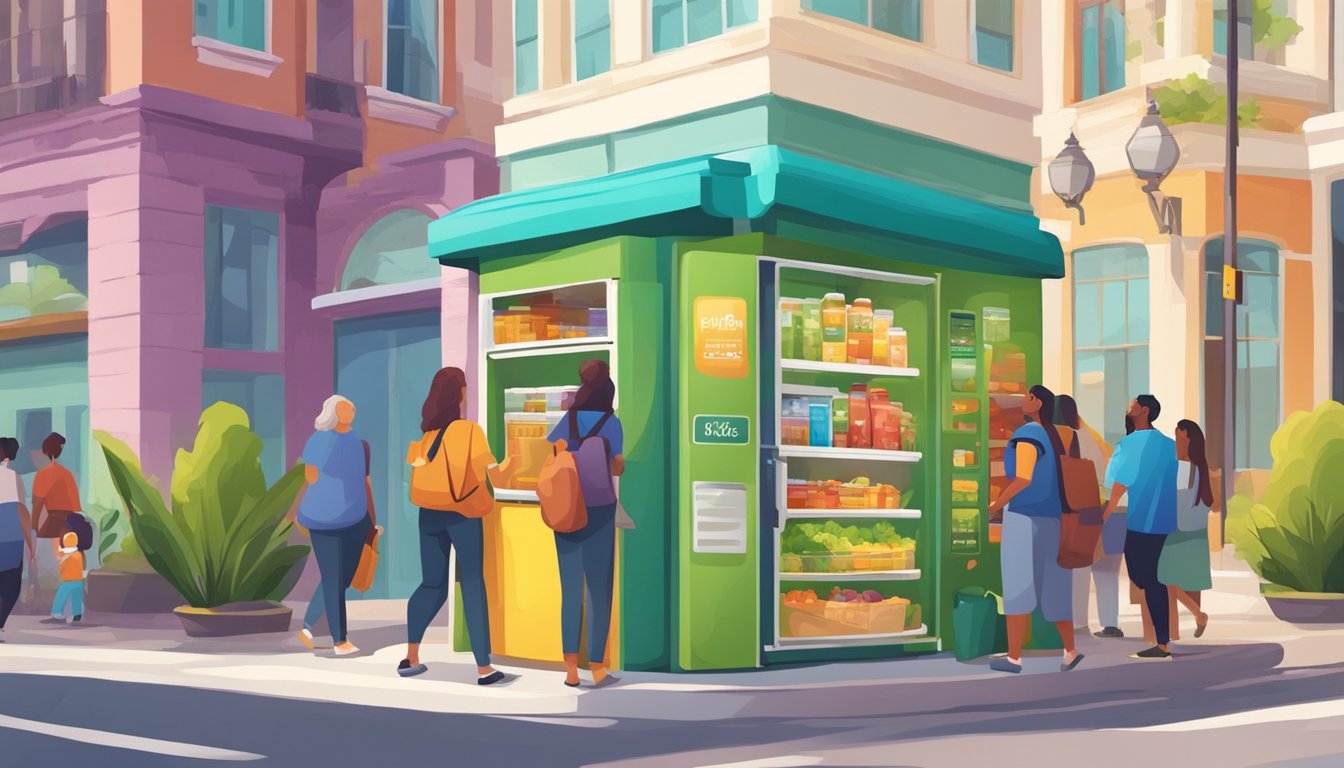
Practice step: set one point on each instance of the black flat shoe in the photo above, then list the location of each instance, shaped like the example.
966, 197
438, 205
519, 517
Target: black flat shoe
406, 670
490, 679
1152, 654
572, 685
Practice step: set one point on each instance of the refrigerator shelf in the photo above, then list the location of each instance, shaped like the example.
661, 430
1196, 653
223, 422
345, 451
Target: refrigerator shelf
921, 634
812, 366
844, 514
551, 347
852, 454
910, 575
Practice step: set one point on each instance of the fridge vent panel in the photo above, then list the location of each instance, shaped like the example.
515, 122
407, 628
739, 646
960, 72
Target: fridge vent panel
720, 518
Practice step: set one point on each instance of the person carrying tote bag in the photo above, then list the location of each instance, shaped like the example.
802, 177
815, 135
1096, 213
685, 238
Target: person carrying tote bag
450, 464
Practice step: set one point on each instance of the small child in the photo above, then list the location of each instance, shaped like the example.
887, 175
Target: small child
72, 581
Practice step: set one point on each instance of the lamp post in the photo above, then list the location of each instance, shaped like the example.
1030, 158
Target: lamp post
1071, 176
1231, 283
1153, 154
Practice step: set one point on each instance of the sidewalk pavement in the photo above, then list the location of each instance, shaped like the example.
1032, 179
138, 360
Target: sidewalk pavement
1244, 644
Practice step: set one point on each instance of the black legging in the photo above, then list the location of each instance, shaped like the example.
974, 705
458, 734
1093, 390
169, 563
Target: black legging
11, 583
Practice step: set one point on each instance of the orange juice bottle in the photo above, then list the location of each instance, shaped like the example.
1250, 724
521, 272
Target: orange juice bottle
882, 319
833, 321
860, 340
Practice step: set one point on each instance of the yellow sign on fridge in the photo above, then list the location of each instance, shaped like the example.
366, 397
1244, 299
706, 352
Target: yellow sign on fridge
721, 337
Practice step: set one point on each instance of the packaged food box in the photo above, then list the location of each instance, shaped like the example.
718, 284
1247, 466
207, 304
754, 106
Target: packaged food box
861, 618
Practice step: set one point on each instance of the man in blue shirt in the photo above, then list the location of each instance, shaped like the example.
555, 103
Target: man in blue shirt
1144, 467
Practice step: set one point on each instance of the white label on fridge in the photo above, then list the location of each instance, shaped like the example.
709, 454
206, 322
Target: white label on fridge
720, 518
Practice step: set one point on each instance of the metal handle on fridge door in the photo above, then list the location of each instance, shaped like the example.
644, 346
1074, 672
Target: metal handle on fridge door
771, 488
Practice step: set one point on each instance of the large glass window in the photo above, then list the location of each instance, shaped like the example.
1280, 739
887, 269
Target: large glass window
241, 278
413, 48
903, 18
995, 29
526, 47
592, 38
49, 275
1259, 379
682, 22
1101, 47
262, 396
238, 22
1110, 333
394, 250
1245, 28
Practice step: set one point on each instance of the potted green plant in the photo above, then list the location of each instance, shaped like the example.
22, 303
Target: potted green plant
123, 580
1293, 536
223, 541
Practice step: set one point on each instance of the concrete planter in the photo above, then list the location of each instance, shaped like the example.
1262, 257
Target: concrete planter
117, 592
1304, 607
254, 618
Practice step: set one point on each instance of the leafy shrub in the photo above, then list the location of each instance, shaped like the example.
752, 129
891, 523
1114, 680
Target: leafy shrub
225, 538
1294, 535
110, 526
1192, 99
45, 293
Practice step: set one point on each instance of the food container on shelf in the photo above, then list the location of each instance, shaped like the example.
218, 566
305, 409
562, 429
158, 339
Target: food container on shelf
834, 327
898, 348
790, 328
798, 494
997, 324
795, 417
859, 342
886, 617
853, 496
790, 563
882, 321
819, 423
811, 330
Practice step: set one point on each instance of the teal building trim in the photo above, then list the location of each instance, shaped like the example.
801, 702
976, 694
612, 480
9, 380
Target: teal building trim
804, 128
762, 184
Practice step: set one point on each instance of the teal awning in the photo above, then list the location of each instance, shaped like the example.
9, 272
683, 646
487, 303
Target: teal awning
749, 184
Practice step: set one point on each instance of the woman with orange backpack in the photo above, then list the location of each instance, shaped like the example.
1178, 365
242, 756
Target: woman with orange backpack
450, 465
592, 432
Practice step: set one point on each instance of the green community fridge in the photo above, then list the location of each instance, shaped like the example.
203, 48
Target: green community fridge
817, 371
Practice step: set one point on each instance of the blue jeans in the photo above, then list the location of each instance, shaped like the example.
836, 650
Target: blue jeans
588, 555
71, 592
337, 554
439, 533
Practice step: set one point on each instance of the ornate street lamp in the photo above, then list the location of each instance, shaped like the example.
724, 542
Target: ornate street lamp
1153, 154
1071, 176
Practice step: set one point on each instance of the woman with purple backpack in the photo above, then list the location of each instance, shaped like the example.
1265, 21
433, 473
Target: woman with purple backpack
588, 554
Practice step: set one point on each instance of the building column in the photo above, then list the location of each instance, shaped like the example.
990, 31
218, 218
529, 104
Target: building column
1181, 28
629, 30
556, 44
146, 314
1057, 316
460, 331
306, 340
1171, 353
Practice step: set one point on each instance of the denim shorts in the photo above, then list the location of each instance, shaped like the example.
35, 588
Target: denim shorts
1032, 575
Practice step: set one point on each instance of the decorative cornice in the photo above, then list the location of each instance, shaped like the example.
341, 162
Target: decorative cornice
389, 105
217, 53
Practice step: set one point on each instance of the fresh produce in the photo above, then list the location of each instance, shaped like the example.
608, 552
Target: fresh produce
819, 547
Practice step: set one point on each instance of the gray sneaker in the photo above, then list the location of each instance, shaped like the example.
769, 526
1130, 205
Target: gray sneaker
1111, 633
1003, 664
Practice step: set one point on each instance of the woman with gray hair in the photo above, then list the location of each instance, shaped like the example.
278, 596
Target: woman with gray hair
335, 511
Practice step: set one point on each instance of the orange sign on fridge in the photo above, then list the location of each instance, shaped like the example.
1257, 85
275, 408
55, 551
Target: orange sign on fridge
721, 337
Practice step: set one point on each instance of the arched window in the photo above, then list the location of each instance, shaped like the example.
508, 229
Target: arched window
1259, 378
1110, 333
393, 250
